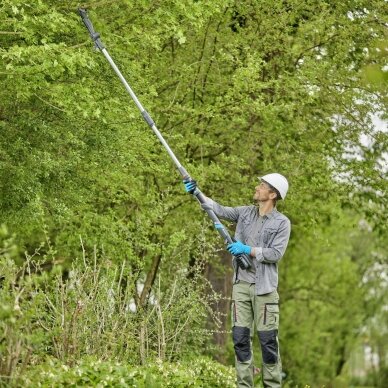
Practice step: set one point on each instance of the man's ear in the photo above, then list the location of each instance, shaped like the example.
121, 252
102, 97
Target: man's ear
272, 195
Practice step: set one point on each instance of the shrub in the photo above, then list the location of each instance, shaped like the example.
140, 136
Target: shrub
199, 372
88, 310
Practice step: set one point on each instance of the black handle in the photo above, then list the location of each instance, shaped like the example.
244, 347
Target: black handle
88, 24
243, 260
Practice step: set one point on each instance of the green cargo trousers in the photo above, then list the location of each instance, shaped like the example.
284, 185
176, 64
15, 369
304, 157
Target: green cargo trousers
251, 311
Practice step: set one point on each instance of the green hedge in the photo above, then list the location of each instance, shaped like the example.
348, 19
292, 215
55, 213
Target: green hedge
200, 372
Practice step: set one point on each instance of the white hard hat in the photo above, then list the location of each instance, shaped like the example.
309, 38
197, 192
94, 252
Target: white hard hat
278, 181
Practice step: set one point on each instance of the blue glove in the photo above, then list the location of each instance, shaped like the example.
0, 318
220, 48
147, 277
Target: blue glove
238, 248
190, 186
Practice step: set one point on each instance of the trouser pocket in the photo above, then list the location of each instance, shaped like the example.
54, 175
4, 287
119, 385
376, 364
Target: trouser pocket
233, 313
271, 316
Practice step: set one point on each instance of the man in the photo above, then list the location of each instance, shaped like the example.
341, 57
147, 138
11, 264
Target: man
262, 233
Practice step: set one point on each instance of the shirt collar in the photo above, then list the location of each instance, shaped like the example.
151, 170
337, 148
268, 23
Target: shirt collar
269, 215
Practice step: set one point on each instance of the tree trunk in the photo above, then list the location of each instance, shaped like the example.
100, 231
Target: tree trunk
150, 280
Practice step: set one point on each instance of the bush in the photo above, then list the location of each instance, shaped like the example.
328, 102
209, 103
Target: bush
199, 372
88, 310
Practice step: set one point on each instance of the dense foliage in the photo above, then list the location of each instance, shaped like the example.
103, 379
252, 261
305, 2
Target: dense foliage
200, 372
238, 89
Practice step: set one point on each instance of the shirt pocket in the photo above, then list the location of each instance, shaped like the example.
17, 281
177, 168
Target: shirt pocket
269, 235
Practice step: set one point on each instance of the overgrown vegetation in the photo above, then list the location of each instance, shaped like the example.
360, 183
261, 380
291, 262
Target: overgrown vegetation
239, 89
201, 372
89, 311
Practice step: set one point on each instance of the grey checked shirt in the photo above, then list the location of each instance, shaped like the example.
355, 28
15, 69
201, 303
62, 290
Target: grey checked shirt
269, 236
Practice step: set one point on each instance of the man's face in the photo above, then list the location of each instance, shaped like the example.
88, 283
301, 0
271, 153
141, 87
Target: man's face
263, 193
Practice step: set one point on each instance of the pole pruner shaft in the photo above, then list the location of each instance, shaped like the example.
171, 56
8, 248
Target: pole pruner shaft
242, 260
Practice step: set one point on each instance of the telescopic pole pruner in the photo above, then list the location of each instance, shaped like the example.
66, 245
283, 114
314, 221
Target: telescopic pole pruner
242, 260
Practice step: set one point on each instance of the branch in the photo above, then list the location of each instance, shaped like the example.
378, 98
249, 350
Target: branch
46, 102
301, 55
200, 62
211, 58
10, 33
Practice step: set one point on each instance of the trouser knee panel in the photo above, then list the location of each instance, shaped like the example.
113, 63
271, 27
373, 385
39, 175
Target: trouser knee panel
242, 343
269, 346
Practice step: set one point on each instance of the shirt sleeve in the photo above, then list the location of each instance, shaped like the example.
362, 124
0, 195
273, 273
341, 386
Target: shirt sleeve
224, 212
276, 251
